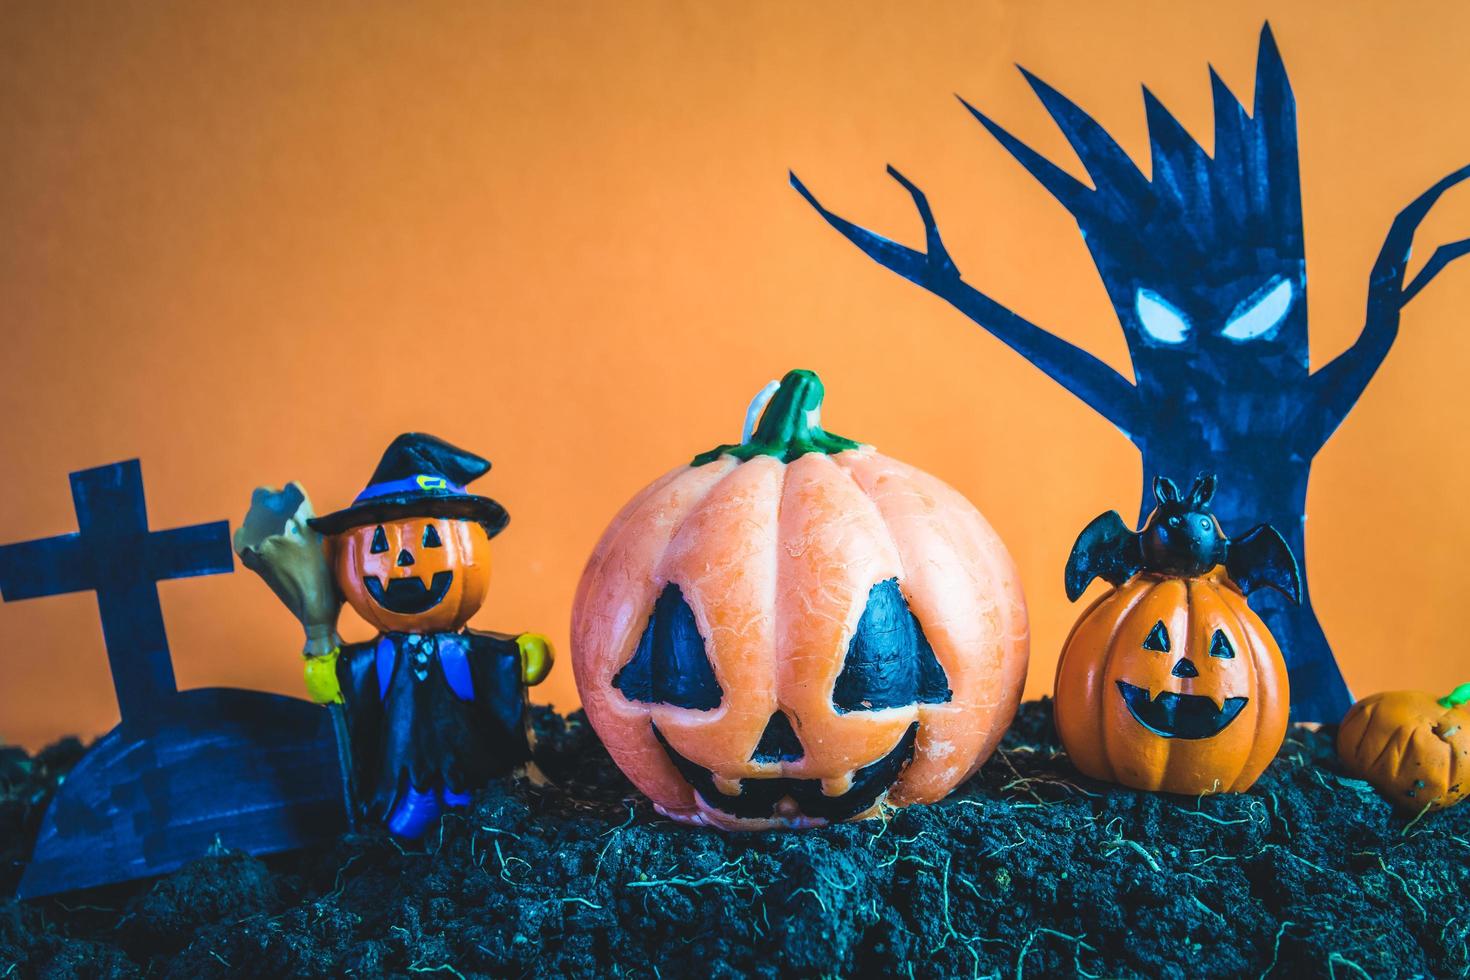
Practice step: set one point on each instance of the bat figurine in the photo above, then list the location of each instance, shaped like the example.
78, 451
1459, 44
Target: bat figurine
1181, 537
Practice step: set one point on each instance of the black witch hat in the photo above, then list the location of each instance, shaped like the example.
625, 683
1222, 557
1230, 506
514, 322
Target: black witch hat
420, 476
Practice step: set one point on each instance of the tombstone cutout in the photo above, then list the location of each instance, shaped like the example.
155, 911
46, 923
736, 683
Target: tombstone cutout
182, 770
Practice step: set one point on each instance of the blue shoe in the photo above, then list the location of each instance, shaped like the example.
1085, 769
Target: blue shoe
413, 814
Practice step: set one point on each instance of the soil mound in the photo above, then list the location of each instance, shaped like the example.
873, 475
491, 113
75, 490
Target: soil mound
1027, 870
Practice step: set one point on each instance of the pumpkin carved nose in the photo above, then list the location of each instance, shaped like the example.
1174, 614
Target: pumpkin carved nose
779, 742
404, 558
1185, 669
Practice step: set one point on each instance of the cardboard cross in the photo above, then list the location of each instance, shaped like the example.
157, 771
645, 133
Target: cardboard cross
184, 771
115, 555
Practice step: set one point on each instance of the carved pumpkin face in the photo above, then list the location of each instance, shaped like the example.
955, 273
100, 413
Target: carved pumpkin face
1172, 684
1413, 748
414, 574
770, 643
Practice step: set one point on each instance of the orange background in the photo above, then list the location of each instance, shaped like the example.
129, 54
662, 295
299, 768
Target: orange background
252, 242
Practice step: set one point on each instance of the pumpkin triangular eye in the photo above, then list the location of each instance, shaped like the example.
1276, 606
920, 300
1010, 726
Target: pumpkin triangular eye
1220, 646
933, 685
380, 540
431, 537
671, 665
1158, 638
890, 663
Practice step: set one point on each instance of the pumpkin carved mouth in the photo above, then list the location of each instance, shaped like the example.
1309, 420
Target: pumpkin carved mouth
758, 795
409, 596
1172, 715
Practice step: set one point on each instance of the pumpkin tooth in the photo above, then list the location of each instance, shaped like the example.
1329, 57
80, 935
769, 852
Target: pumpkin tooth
726, 785
389, 580
837, 785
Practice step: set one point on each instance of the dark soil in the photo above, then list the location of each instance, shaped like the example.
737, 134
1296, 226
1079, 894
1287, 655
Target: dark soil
1027, 870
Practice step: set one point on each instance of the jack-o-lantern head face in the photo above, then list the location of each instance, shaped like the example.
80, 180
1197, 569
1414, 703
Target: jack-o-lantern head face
413, 574
1181, 536
889, 667
412, 552
796, 630
1172, 684
1180, 713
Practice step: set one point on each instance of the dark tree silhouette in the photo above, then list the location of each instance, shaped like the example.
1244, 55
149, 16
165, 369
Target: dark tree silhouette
1205, 266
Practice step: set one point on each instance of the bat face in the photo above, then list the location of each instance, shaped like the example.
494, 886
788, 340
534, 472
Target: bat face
1184, 540
1181, 536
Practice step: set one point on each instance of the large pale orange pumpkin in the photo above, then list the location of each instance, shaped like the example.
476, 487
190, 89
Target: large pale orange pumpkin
1172, 683
796, 629
413, 574
1413, 747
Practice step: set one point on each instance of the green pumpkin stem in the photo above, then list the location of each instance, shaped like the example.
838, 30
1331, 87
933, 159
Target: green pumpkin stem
790, 426
1457, 697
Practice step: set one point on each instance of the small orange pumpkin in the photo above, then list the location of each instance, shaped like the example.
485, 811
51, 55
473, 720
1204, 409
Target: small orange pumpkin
1172, 683
413, 574
792, 630
1412, 747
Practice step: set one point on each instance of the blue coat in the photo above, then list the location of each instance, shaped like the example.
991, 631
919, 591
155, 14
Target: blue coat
440, 712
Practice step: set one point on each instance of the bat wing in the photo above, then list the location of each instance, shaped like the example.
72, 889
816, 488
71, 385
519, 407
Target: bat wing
1106, 549
1263, 558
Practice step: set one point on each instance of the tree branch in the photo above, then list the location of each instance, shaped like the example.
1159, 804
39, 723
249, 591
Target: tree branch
1103, 389
1442, 257
1336, 387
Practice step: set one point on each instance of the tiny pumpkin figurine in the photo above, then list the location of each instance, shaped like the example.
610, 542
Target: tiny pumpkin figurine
1412, 747
1169, 681
792, 630
433, 710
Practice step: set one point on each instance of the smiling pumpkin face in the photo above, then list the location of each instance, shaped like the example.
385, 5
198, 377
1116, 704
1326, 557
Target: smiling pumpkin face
796, 630
783, 645
414, 574
1173, 684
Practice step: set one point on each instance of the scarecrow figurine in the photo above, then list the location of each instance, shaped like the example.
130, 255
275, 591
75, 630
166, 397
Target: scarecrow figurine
431, 710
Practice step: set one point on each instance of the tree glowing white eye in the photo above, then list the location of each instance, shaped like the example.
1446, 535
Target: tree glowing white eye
1160, 320
1261, 316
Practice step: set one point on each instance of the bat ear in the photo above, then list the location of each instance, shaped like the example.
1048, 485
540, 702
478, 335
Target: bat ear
1203, 491
1165, 490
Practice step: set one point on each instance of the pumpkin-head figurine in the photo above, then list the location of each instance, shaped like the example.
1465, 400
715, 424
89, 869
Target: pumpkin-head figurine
796, 629
433, 710
1412, 747
1169, 681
